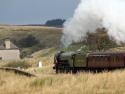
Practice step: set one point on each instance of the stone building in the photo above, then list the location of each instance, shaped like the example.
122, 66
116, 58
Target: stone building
9, 51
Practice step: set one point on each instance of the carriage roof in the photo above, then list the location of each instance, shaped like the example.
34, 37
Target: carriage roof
106, 53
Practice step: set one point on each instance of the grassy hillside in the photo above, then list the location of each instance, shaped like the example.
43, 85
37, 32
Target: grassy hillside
34, 38
46, 37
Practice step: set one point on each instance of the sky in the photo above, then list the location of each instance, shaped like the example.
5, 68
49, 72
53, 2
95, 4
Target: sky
35, 11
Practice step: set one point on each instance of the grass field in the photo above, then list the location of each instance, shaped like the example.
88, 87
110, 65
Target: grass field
82, 83
47, 82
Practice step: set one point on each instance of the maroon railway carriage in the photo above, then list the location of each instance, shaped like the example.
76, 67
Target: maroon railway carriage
106, 60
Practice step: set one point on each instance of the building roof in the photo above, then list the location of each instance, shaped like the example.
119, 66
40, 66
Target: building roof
12, 46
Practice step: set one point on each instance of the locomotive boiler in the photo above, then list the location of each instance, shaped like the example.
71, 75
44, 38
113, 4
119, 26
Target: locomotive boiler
77, 61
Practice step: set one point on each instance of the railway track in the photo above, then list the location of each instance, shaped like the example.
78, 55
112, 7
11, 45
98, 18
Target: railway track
18, 71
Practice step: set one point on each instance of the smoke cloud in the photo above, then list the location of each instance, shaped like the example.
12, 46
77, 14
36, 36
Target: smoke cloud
93, 14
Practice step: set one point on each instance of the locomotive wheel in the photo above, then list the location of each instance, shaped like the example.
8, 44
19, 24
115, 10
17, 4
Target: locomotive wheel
74, 70
67, 69
57, 70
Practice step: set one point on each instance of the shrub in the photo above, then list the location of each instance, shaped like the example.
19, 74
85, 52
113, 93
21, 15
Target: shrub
16, 64
28, 41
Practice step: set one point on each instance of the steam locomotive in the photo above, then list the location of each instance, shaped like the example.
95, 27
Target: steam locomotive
78, 61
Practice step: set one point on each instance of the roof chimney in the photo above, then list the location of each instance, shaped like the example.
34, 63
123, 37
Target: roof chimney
7, 44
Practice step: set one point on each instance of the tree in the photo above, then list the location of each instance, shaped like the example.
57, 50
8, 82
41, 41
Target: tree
28, 41
55, 22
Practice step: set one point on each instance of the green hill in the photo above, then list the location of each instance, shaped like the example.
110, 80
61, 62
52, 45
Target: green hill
31, 38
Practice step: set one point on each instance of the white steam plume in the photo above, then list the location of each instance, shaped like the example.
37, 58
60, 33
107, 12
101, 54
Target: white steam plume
93, 14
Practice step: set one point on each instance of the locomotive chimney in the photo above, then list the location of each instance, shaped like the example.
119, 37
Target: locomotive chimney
7, 43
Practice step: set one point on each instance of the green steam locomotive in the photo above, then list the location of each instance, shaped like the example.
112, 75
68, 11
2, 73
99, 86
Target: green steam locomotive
78, 61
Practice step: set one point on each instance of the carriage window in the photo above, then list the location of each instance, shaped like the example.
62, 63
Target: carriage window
94, 59
99, 58
106, 58
115, 58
